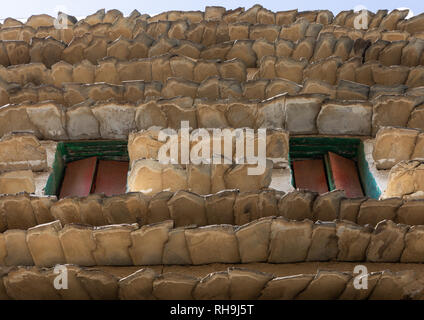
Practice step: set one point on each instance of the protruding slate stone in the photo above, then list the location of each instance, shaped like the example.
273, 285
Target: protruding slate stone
148, 243
285, 288
324, 245
327, 206
16, 249
290, 240
187, 208
297, 205
99, 285
44, 245
352, 241
214, 286
212, 244
137, 286
387, 242
334, 283
253, 240
175, 250
78, 243
112, 243
246, 284
373, 211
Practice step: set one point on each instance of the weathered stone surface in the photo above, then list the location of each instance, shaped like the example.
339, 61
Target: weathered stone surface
158, 210
66, 211
30, 284
395, 286
241, 114
81, 123
290, 240
297, 205
44, 245
389, 76
16, 249
116, 121
91, 210
137, 286
334, 283
150, 114
17, 181
172, 286
78, 243
351, 293
214, 286
411, 212
352, 241
271, 112
199, 178
418, 153
324, 245
17, 212
387, 242
145, 176
246, 284
49, 119
327, 206
175, 250
301, 113
219, 207
349, 209
253, 240
348, 90
373, 211
148, 242
126, 208
237, 177
212, 244
21, 152
112, 243
99, 285
290, 69
285, 288
246, 207
393, 145
405, 178
345, 118
391, 111
187, 208
414, 250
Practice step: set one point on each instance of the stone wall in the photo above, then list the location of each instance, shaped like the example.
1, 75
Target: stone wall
28, 283
269, 239
115, 120
185, 208
393, 145
406, 179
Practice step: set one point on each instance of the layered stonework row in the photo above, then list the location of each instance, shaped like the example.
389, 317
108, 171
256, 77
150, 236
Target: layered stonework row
212, 26
298, 114
270, 239
187, 208
330, 70
313, 48
236, 283
393, 145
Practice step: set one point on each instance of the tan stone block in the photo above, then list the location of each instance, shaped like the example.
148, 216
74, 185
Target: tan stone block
327, 285
17, 250
373, 211
98, 284
214, 286
297, 205
352, 241
172, 286
219, 207
414, 251
285, 288
253, 240
324, 245
247, 284
145, 176
137, 286
17, 181
187, 208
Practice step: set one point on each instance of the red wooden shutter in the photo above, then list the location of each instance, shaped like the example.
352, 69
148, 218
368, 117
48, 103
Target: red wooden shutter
111, 178
310, 175
78, 178
345, 175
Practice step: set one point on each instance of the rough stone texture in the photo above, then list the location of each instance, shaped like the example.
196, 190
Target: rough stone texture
172, 286
352, 241
351, 293
175, 250
405, 178
78, 243
411, 212
100, 285
253, 240
214, 286
297, 205
112, 243
393, 145
17, 181
327, 206
212, 244
219, 207
324, 245
301, 113
290, 240
137, 286
44, 245
345, 118
145, 176
285, 288
387, 242
334, 283
22, 152
246, 284
148, 242
187, 208
16, 250
373, 211
414, 251
116, 121
349, 209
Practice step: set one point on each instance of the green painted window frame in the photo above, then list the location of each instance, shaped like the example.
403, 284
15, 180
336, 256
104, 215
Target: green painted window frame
76, 150
351, 148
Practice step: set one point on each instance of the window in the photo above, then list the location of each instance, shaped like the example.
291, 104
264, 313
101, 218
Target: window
81, 168
324, 164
